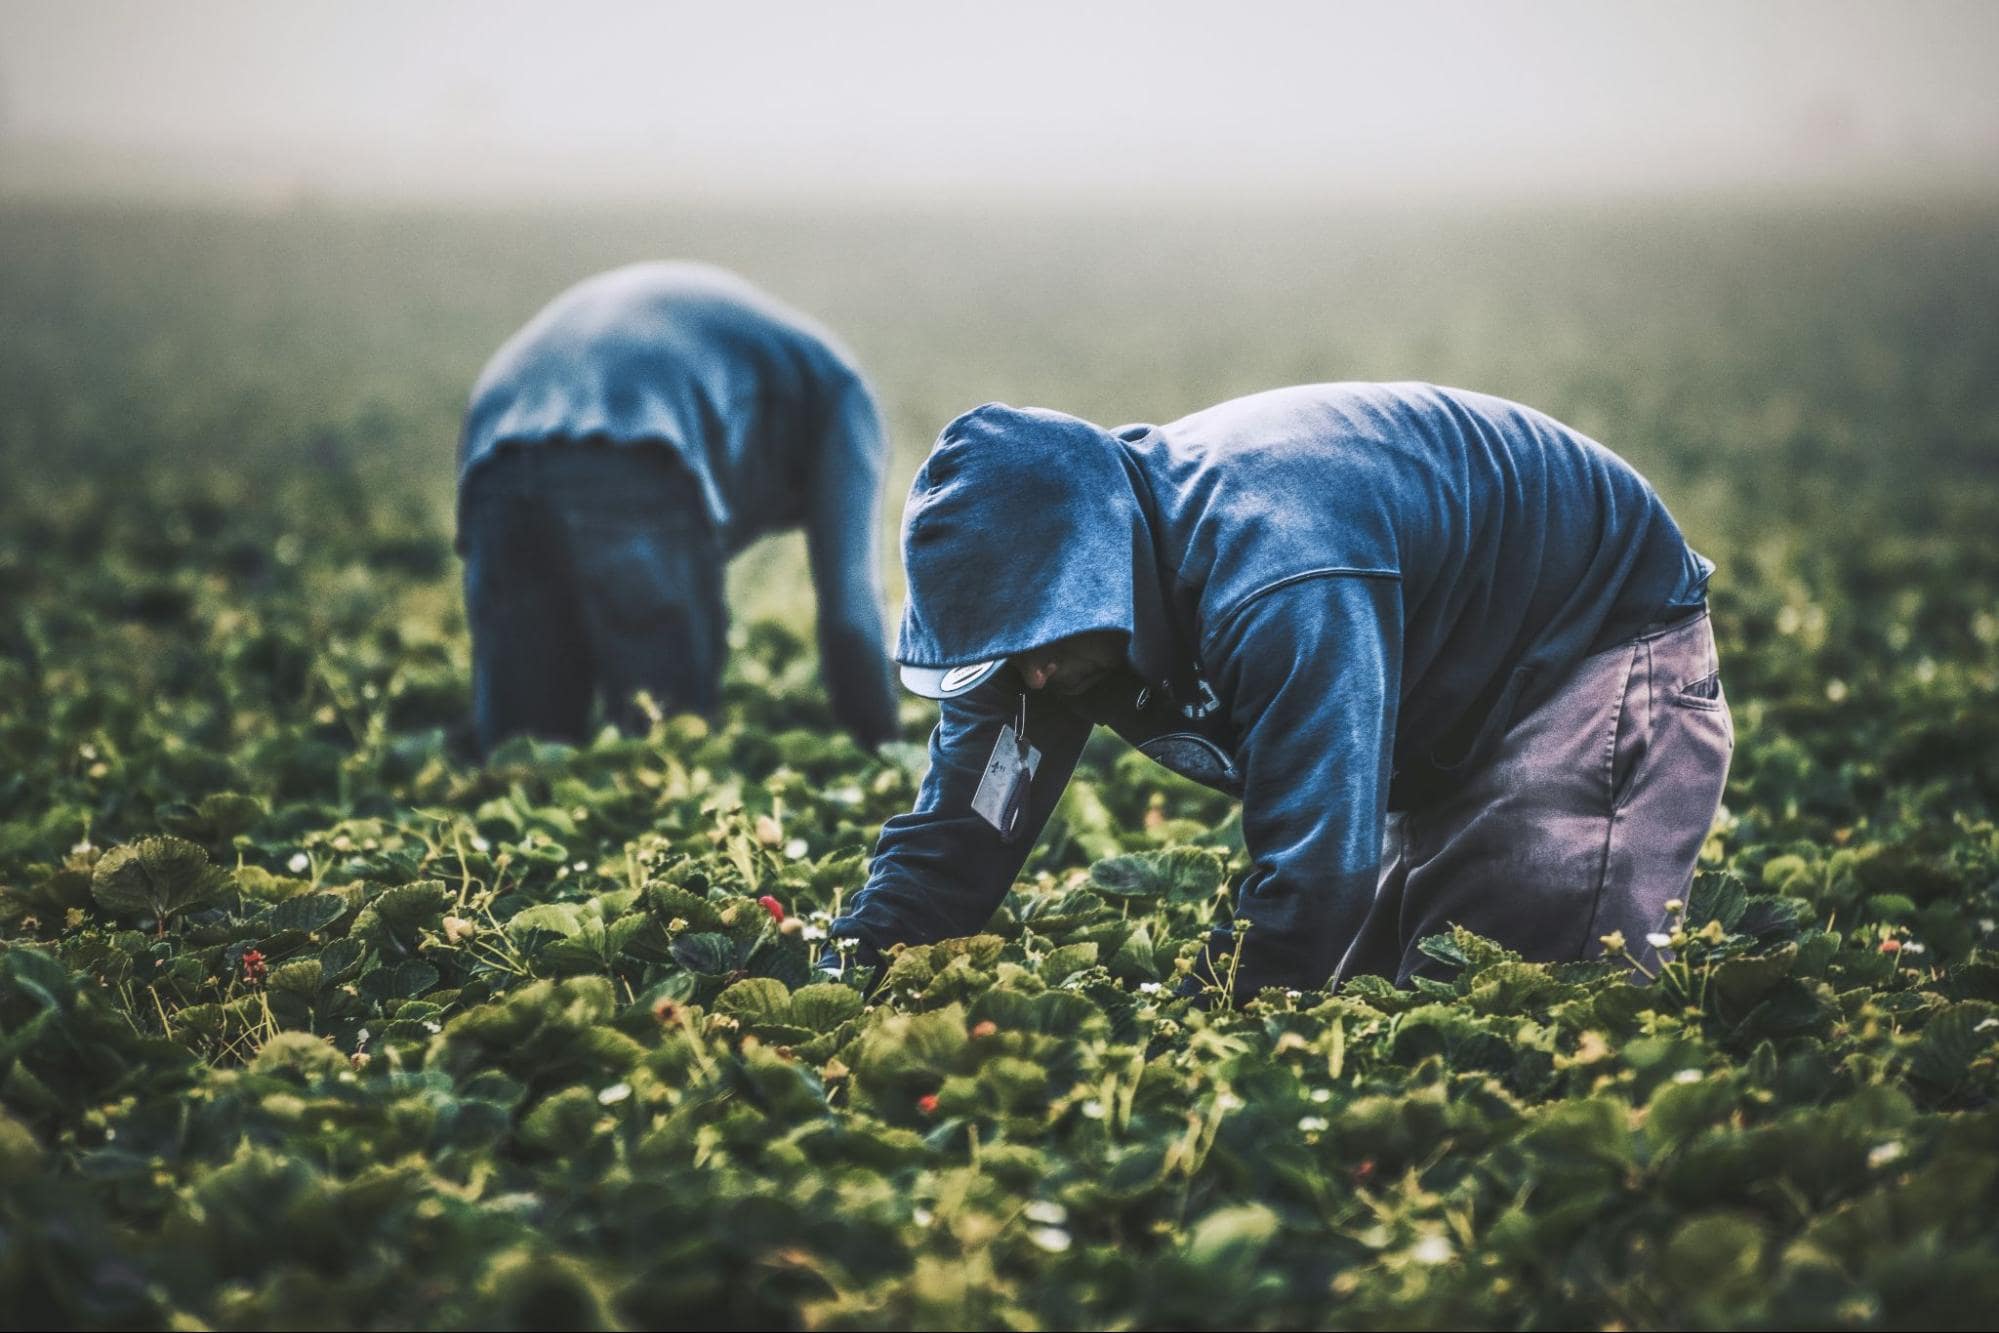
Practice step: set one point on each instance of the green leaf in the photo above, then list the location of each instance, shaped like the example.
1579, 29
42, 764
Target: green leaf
1738, 984
1768, 916
1889, 907
392, 918
562, 920
341, 958
1135, 957
1065, 962
157, 877
405, 980
671, 901
1716, 896
1067, 1015
561, 1123
300, 1054
1511, 987
308, 912
1792, 1009
302, 977
639, 936
1718, 1256
48, 898
217, 819
1445, 949
257, 883
782, 958
908, 1054
825, 1005
37, 974
1678, 1111
1952, 1040
755, 1001
1231, 1239
1176, 874
707, 953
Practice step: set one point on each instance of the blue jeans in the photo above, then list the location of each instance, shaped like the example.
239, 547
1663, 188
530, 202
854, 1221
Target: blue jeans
591, 569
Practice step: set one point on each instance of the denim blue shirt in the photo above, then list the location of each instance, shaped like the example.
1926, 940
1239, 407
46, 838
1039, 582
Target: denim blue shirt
1333, 598
766, 410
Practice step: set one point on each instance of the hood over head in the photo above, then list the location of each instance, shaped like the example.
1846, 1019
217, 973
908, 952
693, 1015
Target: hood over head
1025, 526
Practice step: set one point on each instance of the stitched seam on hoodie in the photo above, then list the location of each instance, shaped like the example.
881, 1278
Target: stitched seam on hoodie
1223, 621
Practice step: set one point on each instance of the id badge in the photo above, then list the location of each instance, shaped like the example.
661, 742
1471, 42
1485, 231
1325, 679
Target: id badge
1002, 797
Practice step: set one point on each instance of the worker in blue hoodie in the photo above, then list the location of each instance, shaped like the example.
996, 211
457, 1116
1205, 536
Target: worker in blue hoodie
1452, 656
642, 429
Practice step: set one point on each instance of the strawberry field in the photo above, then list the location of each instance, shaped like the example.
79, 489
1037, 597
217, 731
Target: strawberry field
308, 1019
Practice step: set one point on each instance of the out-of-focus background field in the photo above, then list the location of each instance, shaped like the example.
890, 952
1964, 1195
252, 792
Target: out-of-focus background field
1783, 371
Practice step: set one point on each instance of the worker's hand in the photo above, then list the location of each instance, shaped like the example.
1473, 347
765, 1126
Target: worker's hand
857, 682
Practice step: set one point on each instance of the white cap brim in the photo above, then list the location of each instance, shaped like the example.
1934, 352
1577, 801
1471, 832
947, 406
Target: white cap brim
948, 682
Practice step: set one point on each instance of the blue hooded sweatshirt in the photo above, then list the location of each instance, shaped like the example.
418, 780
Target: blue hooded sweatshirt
1333, 599
766, 410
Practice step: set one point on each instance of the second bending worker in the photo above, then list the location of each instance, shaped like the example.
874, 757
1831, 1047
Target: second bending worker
646, 426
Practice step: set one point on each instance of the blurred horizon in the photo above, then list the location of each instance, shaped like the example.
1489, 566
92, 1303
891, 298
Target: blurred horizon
1151, 105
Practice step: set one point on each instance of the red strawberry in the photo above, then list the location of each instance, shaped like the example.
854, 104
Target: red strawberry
773, 906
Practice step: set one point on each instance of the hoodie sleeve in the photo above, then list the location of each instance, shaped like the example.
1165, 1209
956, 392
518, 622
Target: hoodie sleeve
842, 537
941, 870
1312, 675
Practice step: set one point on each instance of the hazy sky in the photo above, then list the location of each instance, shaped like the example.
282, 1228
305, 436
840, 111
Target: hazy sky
641, 97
